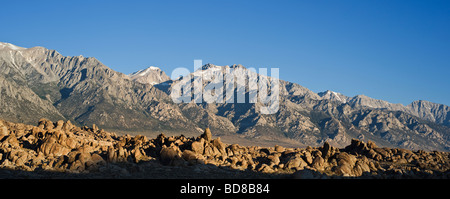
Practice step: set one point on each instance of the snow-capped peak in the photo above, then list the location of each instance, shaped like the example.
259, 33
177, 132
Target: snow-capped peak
151, 75
144, 72
153, 68
210, 66
9, 46
333, 96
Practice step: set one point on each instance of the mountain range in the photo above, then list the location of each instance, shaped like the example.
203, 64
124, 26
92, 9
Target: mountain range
41, 83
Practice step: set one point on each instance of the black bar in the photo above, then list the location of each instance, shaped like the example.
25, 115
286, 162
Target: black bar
270, 188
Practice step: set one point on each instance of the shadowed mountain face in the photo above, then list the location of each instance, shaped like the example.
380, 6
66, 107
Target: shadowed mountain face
37, 82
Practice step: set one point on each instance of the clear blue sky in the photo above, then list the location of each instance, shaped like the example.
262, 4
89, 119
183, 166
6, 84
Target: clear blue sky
393, 50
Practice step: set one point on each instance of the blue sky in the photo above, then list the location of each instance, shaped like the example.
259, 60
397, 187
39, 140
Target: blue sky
395, 50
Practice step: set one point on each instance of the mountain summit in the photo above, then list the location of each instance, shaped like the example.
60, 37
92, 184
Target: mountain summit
151, 75
9, 46
331, 95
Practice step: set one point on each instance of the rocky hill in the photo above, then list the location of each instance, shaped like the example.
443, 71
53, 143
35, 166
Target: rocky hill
63, 150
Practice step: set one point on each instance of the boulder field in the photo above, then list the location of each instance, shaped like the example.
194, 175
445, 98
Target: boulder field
63, 150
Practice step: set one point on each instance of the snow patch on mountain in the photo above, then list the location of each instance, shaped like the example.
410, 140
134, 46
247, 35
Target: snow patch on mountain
331, 95
151, 75
9, 46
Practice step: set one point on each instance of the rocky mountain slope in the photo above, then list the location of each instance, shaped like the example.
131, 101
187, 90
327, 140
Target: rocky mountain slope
38, 82
433, 112
63, 150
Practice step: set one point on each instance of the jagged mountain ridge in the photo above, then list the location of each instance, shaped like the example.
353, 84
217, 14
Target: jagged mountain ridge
329, 116
86, 91
426, 110
438, 113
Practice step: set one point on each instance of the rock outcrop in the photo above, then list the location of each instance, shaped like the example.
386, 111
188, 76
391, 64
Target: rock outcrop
61, 147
